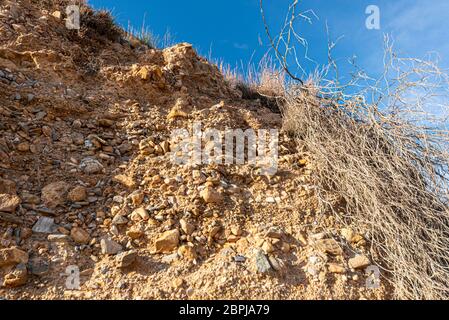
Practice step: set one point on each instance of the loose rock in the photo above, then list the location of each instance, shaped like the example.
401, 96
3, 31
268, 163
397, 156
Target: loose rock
23, 147
7, 186
17, 277
262, 263
187, 252
359, 262
80, 236
8, 202
329, 246
54, 194
58, 238
336, 268
90, 166
186, 227
274, 232
134, 233
170, 258
38, 267
12, 256
240, 259
44, 225
140, 213
77, 194
277, 264
110, 247
210, 195
125, 180
137, 197
126, 259
119, 220
168, 241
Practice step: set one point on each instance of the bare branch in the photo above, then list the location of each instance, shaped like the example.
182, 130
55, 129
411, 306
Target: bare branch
282, 58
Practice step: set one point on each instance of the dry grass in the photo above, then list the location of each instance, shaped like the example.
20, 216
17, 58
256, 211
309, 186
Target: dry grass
264, 78
386, 161
99, 23
143, 35
264, 81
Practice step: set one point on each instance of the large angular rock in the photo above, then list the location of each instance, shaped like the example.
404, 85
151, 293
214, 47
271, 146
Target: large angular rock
77, 194
39, 267
80, 236
140, 214
186, 227
262, 263
7, 186
110, 247
54, 194
210, 195
17, 277
119, 220
12, 256
137, 197
8, 202
44, 225
168, 241
125, 259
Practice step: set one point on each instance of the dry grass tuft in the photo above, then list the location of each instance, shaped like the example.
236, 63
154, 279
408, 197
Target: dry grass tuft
144, 36
264, 81
99, 23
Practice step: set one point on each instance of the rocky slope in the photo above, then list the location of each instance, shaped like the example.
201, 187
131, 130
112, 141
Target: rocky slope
86, 179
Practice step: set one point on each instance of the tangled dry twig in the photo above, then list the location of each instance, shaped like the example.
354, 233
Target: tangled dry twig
387, 159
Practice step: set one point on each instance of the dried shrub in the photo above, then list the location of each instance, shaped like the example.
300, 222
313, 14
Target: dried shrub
264, 82
99, 24
387, 162
380, 147
144, 37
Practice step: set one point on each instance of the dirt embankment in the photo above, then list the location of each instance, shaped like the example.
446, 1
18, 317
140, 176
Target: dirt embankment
87, 180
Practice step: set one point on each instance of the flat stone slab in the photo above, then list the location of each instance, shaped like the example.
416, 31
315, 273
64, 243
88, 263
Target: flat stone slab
45, 225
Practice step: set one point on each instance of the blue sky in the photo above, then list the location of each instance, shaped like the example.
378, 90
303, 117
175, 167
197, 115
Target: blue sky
232, 30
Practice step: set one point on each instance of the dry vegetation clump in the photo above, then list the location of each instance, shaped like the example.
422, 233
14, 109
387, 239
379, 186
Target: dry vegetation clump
99, 23
264, 81
387, 160
142, 36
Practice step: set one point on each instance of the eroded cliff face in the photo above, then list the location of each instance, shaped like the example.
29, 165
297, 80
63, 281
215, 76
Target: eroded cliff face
87, 180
